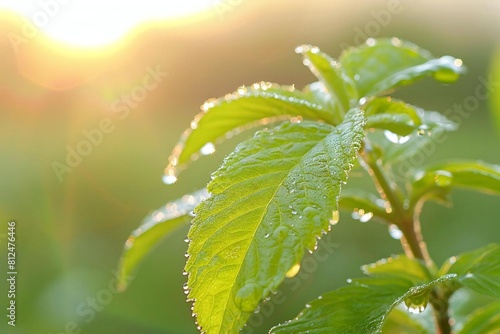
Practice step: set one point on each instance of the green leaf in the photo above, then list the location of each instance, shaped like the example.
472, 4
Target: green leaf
271, 199
364, 305
485, 320
478, 270
392, 115
383, 64
355, 199
412, 270
154, 228
430, 133
339, 87
437, 180
248, 107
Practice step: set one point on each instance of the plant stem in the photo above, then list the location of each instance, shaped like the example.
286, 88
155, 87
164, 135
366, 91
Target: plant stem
407, 220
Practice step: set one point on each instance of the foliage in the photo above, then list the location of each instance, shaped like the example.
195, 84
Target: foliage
277, 193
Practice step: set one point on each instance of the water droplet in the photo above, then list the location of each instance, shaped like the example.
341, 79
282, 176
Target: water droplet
294, 212
207, 149
186, 239
169, 177
363, 99
247, 297
335, 217
443, 178
395, 232
396, 41
418, 302
266, 236
394, 138
349, 280
356, 77
293, 271
446, 76
364, 218
186, 255
242, 90
371, 42
308, 305
194, 125
185, 286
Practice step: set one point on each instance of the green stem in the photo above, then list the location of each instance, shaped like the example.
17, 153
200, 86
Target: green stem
407, 220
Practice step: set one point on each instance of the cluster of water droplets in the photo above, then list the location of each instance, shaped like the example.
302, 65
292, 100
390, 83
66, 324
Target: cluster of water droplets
361, 215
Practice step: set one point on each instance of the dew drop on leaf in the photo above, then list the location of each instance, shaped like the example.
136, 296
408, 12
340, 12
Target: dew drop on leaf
364, 218
246, 298
335, 217
395, 232
293, 271
207, 149
417, 303
394, 138
442, 178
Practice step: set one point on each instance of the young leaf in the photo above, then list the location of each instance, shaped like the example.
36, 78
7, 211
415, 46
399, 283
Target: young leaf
153, 229
271, 199
383, 64
479, 270
339, 87
393, 115
436, 181
431, 132
251, 106
364, 305
485, 320
351, 200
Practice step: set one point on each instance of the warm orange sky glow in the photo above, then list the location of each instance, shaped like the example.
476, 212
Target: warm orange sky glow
91, 23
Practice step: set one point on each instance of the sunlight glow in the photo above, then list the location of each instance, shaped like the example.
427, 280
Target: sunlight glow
91, 23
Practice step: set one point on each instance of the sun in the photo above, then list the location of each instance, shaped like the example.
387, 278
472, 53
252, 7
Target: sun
94, 23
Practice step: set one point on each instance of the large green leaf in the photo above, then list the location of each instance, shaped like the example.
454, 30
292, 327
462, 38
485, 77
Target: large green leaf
383, 64
153, 229
364, 305
393, 115
478, 270
339, 87
436, 181
251, 106
271, 199
485, 320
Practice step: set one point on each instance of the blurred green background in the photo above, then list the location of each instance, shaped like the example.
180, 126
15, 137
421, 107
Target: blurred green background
70, 234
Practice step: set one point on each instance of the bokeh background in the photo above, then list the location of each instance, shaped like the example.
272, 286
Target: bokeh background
70, 233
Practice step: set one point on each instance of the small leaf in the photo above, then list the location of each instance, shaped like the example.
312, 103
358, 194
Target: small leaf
478, 270
431, 132
392, 115
383, 64
271, 199
364, 305
400, 266
339, 87
153, 229
436, 181
355, 199
252, 106
485, 320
